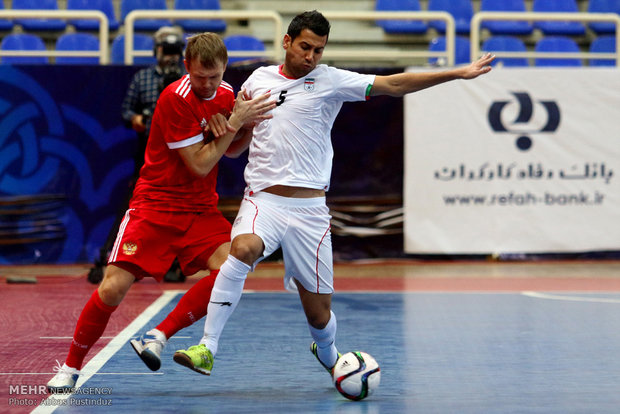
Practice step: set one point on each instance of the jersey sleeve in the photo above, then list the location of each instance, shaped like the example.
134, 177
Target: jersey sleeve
351, 86
178, 122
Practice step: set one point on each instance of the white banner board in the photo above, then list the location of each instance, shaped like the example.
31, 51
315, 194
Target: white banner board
517, 161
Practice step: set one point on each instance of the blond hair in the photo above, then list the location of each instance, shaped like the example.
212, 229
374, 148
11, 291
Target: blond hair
208, 48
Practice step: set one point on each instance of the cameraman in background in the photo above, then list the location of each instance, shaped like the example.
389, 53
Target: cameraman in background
137, 110
148, 83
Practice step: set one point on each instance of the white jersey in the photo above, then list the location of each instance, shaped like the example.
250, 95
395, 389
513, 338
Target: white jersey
294, 147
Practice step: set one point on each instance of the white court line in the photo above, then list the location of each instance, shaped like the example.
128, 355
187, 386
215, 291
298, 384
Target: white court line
549, 296
104, 337
111, 348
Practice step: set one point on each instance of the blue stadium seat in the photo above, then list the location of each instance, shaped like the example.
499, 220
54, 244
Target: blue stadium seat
461, 10
140, 42
557, 44
569, 28
400, 26
603, 6
105, 6
603, 44
23, 41
501, 27
243, 42
38, 24
77, 41
461, 45
5, 24
506, 44
200, 25
149, 25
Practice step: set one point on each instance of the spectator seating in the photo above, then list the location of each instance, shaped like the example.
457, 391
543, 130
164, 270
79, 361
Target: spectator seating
140, 42
105, 6
603, 44
77, 42
461, 10
128, 6
200, 25
243, 42
400, 26
562, 28
5, 25
603, 6
505, 44
461, 46
41, 24
23, 41
557, 44
502, 27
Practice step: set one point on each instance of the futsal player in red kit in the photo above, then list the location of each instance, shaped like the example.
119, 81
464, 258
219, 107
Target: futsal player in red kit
173, 210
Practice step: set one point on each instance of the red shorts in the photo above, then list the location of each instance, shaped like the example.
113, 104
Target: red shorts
149, 240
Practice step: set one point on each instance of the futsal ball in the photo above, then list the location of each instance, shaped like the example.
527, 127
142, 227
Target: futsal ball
356, 375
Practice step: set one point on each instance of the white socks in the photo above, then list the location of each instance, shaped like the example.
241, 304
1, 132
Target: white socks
224, 299
326, 341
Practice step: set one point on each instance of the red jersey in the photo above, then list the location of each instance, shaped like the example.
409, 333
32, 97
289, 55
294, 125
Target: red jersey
165, 182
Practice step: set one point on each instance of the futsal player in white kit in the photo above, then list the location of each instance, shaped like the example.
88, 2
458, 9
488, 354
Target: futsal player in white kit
288, 173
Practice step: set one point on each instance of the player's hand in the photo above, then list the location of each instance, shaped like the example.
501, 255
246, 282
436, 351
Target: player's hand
478, 67
218, 125
251, 111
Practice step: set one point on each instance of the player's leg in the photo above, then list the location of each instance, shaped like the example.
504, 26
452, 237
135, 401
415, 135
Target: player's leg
207, 240
91, 325
255, 236
322, 324
307, 253
225, 296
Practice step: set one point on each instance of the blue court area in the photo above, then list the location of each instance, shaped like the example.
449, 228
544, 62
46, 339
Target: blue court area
439, 353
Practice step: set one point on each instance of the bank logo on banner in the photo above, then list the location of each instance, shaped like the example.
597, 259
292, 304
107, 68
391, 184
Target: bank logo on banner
524, 119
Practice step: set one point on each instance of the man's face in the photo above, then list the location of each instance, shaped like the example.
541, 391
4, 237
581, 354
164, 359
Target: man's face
204, 81
303, 53
164, 60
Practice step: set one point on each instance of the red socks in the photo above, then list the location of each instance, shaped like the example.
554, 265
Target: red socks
90, 326
191, 308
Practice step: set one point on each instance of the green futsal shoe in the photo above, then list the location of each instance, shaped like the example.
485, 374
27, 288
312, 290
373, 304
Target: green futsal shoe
314, 350
198, 358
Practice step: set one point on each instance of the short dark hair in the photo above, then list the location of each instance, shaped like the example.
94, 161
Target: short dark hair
312, 20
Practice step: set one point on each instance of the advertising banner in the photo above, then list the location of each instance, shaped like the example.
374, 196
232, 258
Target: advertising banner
517, 161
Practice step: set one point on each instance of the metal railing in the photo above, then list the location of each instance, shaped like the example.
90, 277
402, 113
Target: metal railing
365, 54
478, 18
131, 17
102, 53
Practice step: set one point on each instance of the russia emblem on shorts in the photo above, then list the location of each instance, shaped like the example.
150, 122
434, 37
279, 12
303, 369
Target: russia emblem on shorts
309, 84
130, 248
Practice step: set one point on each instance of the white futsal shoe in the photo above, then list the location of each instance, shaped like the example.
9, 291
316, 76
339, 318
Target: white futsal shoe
149, 347
64, 380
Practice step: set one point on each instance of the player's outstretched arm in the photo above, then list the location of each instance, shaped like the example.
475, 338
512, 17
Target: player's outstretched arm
403, 83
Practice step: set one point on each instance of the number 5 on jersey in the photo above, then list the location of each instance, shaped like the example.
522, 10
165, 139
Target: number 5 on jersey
281, 98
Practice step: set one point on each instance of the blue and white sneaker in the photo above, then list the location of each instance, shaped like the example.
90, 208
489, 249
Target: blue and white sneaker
149, 347
64, 380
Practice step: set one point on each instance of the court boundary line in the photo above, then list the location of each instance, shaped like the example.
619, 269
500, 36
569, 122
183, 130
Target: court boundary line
99, 360
550, 296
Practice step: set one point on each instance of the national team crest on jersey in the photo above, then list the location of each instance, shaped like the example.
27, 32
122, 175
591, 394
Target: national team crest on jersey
309, 84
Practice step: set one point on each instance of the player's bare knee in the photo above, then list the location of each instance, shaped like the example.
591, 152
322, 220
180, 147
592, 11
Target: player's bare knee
318, 320
114, 286
246, 250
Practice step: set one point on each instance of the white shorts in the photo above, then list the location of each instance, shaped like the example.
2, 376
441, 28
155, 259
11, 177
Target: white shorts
301, 226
